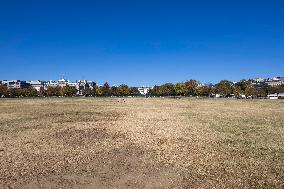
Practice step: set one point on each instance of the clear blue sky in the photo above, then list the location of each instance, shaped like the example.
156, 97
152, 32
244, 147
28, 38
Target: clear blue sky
141, 42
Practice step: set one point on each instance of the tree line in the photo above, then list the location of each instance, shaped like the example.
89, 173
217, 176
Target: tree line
107, 91
224, 88
191, 87
95, 90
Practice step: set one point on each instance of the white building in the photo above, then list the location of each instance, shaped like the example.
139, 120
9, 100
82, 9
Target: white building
144, 90
274, 82
62, 82
36, 84
52, 83
15, 84
84, 85
258, 81
72, 84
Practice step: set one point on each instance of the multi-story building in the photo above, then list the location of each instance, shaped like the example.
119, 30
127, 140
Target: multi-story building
62, 82
258, 81
84, 85
37, 84
51, 83
91, 85
274, 82
81, 85
15, 84
72, 84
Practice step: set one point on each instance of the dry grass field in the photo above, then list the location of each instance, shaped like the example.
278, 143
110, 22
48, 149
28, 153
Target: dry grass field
141, 143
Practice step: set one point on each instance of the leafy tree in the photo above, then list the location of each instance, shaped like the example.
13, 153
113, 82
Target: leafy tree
266, 90
106, 90
133, 91
3, 90
114, 91
31, 92
237, 90
249, 91
42, 92
154, 91
224, 87
243, 87
191, 87
93, 91
99, 91
69, 91
14, 92
180, 89
54, 91
203, 91
166, 90
86, 92
280, 89
123, 90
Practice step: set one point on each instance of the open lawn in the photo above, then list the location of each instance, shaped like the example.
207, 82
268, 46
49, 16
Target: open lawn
141, 143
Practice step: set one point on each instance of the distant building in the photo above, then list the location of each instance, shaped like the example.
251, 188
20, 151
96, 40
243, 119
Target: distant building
62, 82
72, 84
84, 85
15, 84
51, 83
80, 85
280, 78
258, 81
91, 85
37, 84
144, 90
199, 84
274, 82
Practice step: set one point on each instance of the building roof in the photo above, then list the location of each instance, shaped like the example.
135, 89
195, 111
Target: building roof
63, 80
280, 78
